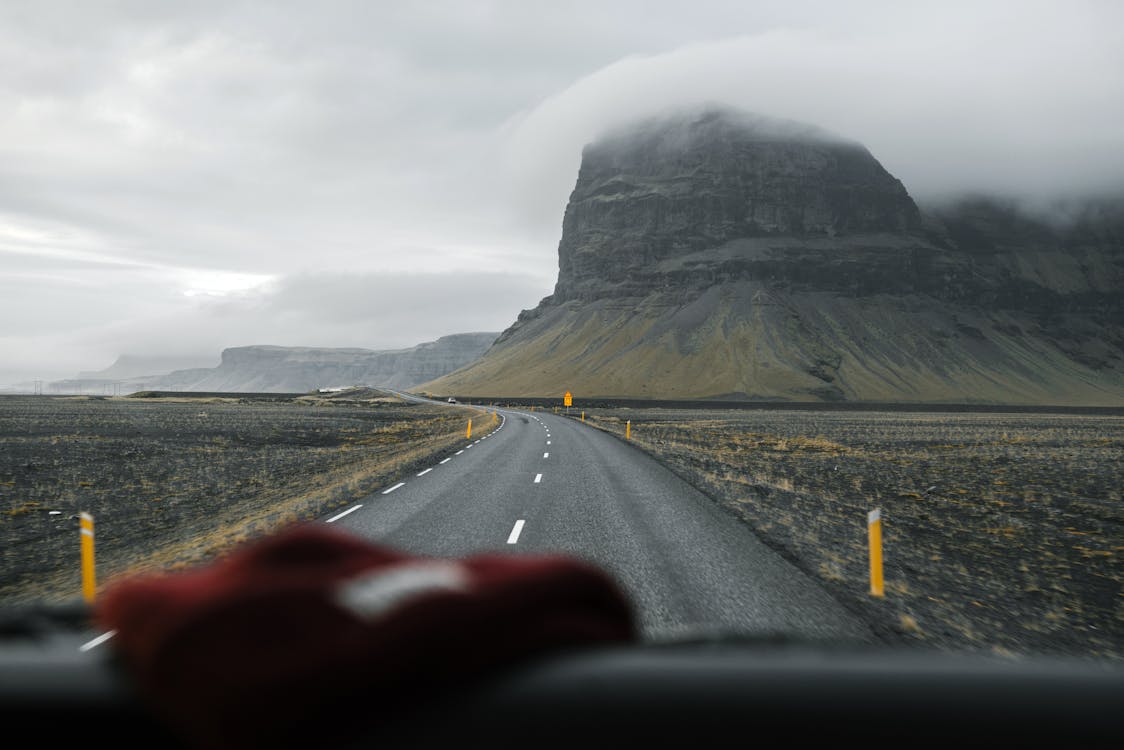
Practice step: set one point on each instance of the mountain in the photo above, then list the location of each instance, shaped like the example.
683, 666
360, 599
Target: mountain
133, 366
712, 253
282, 369
285, 369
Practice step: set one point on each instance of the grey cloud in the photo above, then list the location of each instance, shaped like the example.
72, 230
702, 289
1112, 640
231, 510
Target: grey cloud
1021, 99
371, 158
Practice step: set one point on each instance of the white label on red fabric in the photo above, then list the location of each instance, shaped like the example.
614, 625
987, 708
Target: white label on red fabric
371, 595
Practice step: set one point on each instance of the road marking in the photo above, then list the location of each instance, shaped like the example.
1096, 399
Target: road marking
459, 452
423, 473
513, 537
392, 489
352, 509
538, 478
469, 446
447, 460
546, 455
105, 637
548, 442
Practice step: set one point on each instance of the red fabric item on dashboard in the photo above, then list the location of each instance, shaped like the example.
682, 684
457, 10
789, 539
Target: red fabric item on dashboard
282, 641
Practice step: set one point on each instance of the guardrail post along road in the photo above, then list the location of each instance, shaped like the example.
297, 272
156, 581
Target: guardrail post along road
86, 535
874, 533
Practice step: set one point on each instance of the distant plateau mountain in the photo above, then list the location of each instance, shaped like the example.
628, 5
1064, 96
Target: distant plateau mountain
286, 369
713, 253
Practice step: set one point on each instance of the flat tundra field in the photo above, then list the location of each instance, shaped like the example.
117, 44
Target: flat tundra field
1003, 532
175, 482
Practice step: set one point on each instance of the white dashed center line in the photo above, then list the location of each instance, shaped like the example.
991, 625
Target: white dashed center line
548, 442
392, 489
538, 478
546, 455
513, 537
459, 452
423, 473
338, 516
447, 460
109, 634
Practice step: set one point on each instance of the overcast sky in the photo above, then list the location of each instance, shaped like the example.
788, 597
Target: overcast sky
176, 178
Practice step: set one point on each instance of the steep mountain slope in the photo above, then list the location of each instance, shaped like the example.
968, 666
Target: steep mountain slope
713, 253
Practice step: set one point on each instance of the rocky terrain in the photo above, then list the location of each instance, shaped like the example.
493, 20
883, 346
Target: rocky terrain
1002, 531
716, 254
173, 482
291, 369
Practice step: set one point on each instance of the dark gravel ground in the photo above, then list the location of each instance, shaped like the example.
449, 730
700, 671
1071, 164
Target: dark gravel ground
1003, 532
174, 482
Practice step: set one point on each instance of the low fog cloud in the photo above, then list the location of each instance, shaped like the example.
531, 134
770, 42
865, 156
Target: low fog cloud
175, 179
1017, 99
365, 310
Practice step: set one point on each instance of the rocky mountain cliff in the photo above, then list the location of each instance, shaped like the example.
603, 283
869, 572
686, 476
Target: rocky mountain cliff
714, 253
134, 366
282, 369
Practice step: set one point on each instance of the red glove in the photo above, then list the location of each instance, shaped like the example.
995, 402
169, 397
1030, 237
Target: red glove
276, 644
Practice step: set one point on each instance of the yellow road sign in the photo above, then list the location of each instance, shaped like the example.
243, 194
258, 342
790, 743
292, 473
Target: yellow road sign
568, 399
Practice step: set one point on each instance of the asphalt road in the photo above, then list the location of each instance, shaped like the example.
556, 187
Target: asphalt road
534, 482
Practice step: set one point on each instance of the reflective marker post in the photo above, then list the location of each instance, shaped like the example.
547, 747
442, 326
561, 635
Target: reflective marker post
89, 582
468, 432
874, 529
583, 417
628, 430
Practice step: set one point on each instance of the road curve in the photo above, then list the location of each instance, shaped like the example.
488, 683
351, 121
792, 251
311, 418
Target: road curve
533, 482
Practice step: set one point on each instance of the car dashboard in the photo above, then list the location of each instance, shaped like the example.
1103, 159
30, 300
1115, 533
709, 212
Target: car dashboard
698, 691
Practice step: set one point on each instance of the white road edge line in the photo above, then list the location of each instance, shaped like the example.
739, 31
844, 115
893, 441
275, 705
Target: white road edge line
515, 532
447, 460
459, 452
538, 478
106, 636
338, 516
392, 489
423, 473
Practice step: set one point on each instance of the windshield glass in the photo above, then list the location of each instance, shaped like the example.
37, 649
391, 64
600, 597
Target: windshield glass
800, 321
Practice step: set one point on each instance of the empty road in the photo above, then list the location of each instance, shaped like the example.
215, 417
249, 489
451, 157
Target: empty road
534, 482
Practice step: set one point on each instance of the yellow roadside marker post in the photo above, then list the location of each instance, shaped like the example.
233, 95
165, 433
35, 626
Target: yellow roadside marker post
86, 534
874, 528
628, 430
468, 432
583, 417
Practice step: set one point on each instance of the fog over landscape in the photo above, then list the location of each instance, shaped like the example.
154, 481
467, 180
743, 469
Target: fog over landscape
176, 180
